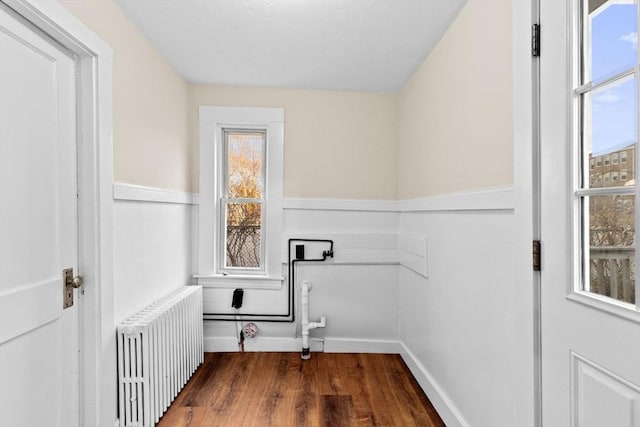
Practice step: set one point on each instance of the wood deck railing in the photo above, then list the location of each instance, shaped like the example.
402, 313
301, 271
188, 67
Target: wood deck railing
613, 272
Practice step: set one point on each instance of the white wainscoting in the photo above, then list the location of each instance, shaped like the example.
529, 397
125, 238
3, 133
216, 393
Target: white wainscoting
152, 245
460, 327
356, 289
451, 310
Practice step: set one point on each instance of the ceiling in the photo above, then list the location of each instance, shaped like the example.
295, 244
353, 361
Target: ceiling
362, 45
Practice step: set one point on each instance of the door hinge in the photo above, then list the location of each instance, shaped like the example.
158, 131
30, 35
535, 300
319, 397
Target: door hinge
536, 255
535, 40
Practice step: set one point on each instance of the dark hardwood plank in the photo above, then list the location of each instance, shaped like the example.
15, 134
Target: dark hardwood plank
280, 390
336, 411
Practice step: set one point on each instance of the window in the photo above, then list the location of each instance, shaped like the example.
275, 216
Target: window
242, 201
240, 212
605, 119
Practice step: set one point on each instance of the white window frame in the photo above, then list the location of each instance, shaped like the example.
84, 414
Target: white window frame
223, 197
211, 270
576, 291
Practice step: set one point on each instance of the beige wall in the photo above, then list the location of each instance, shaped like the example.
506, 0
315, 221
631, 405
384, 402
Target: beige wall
151, 134
455, 113
338, 145
449, 130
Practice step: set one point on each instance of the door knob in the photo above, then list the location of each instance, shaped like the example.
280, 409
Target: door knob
70, 282
76, 282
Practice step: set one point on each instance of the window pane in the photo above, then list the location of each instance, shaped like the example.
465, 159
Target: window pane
243, 235
609, 132
611, 233
610, 38
245, 169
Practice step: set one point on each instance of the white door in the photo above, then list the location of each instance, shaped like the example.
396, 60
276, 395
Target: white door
39, 379
589, 213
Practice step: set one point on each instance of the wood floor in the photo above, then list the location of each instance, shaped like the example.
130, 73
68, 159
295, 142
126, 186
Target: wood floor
280, 390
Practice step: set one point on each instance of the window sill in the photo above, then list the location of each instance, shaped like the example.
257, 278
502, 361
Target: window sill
239, 281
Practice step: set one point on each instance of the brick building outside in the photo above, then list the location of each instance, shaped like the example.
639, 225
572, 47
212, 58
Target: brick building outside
612, 169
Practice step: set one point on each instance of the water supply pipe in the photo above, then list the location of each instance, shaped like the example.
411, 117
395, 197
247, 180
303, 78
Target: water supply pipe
306, 325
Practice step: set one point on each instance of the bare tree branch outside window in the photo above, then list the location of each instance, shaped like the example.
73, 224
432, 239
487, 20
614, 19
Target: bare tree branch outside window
245, 181
611, 231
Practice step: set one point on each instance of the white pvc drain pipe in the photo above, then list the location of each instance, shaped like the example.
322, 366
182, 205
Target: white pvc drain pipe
306, 325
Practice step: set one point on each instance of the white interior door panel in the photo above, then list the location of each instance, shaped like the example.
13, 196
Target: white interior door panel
38, 228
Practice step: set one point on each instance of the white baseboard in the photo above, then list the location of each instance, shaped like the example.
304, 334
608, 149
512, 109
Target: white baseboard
438, 397
230, 344
352, 345
328, 345
220, 344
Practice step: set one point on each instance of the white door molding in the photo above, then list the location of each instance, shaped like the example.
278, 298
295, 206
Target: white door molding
95, 175
526, 205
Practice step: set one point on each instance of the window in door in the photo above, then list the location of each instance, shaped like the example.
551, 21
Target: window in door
606, 118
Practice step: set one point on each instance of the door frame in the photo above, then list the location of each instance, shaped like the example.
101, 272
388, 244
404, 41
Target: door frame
526, 175
97, 342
